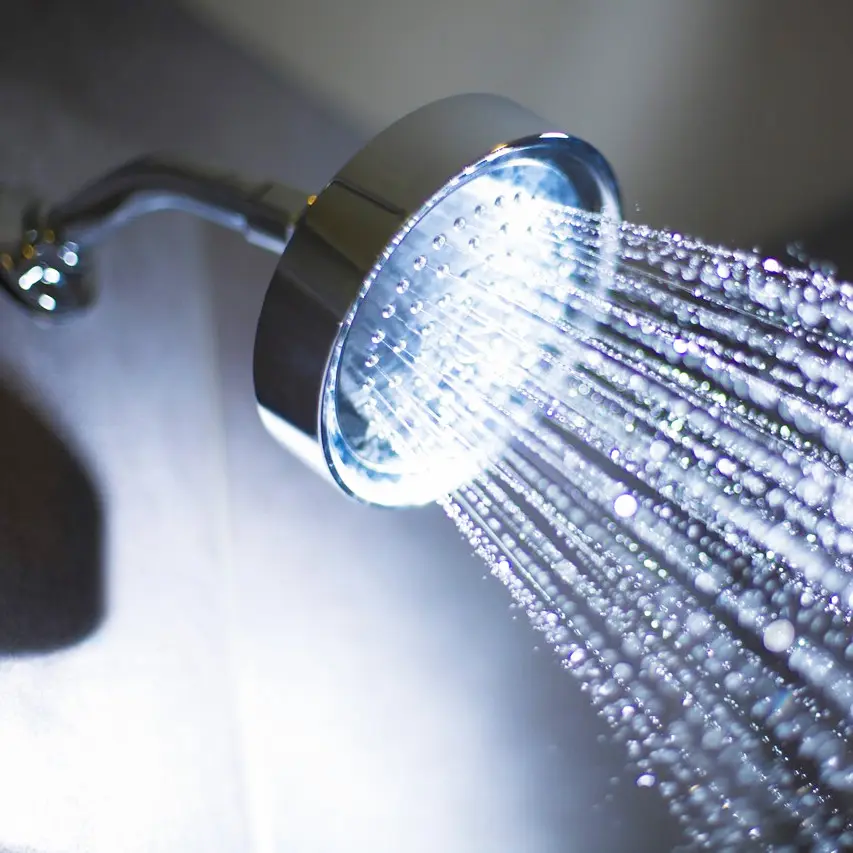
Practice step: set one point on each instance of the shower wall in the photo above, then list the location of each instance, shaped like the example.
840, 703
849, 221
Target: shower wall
204, 647
723, 119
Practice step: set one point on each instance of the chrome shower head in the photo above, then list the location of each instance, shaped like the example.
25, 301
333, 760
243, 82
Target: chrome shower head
382, 355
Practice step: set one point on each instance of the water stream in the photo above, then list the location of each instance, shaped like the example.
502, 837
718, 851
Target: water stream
662, 431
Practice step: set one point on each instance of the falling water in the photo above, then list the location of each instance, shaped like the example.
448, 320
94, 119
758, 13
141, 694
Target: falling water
663, 435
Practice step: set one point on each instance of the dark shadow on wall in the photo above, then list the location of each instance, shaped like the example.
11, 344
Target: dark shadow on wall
51, 578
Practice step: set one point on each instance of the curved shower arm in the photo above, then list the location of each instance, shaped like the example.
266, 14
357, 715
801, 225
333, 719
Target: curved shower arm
46, 270
262, 212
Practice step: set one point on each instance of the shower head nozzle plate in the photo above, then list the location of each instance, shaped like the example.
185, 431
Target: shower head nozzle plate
388, 333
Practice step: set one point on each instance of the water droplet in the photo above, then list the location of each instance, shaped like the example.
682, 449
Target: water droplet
659, 450
779, 635
625, 505
726, 466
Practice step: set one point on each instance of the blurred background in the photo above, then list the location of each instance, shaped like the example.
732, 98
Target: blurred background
203, 647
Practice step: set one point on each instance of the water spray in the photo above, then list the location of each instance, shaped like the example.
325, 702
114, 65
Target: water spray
646, 438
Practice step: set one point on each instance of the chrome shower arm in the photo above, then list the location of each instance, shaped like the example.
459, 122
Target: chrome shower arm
46, 269
262, 212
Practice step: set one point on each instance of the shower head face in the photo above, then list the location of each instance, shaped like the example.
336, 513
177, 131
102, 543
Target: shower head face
397, 327
422, 386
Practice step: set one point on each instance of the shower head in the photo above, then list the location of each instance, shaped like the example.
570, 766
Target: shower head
386, 351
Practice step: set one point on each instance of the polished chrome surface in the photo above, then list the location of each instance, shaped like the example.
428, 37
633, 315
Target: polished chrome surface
46, 272
46, 268
345, 235
261, 212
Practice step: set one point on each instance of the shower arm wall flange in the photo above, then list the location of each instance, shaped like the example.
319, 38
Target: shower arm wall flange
54, 241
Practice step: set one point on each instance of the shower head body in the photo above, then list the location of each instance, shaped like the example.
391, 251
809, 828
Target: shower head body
373, 309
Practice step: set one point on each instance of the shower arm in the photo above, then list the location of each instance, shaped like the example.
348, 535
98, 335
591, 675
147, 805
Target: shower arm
264, 213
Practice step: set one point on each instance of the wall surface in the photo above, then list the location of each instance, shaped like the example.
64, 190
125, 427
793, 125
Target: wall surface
723, 119
210, 649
